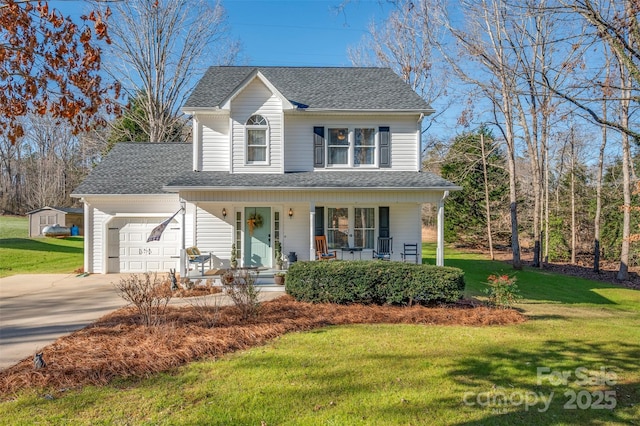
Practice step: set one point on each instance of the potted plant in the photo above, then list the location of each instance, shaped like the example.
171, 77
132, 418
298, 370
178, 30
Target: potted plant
279, 278
278, 255
233, 259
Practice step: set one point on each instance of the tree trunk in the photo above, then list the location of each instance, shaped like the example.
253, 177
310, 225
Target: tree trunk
573, 199
596, 219
513, 199
486, 196
623, 271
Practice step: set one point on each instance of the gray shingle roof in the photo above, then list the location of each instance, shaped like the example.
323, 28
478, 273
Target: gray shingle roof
379, 179
137, 168
316, 88
158, 168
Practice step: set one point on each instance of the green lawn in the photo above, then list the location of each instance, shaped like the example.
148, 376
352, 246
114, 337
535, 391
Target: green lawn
400, 374
20, 254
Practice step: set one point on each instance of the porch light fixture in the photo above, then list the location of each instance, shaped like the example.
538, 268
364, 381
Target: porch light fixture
290, 212
224, 212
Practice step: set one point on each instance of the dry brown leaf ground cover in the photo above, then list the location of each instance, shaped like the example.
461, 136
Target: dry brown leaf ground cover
117, 346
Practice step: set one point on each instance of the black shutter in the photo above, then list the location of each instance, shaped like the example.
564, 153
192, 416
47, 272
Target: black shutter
319, 226
383, 216
385, 147
318, 147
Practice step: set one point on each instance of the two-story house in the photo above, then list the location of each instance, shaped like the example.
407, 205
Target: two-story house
278, 153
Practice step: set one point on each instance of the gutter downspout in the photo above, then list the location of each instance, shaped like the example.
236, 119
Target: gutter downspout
440, 247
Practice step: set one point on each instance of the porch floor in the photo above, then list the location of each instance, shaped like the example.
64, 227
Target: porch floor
264, 277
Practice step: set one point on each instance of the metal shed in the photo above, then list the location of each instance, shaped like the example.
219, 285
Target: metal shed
64, 216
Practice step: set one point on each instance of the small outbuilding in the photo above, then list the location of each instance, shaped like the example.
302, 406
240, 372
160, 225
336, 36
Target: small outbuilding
63, 216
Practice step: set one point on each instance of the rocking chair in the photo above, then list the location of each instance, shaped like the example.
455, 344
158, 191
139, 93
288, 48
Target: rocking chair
322, 252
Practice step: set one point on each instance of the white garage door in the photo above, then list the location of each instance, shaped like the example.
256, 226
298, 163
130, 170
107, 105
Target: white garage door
135, 254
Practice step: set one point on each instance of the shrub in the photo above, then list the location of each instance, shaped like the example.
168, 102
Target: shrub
149, 296
239, 285
503, 290
208, 309
376, 282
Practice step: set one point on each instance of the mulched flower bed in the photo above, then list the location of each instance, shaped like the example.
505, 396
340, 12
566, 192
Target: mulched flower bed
118, 346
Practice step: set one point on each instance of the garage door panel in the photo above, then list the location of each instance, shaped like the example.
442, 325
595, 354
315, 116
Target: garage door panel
170, 251
137, 237
154, 266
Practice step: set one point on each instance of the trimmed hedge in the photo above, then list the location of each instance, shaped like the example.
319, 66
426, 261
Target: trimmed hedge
373, 282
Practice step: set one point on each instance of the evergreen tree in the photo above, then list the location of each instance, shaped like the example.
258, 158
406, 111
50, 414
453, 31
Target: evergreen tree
465, 221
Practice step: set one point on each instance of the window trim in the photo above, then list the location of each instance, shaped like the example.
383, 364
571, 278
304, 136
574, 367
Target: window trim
351, 212
351, 131
267, 134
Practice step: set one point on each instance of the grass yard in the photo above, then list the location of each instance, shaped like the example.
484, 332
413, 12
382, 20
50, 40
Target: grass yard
20, 254
578, 354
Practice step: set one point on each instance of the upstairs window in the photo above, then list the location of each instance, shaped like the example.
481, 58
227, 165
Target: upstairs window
257, 139
338, 147
364, 147
351, 147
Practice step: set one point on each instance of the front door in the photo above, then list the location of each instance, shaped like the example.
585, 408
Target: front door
257, 221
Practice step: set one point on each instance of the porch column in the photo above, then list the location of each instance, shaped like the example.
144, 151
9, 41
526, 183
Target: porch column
440, 247
183, 257
88, 236
312, 228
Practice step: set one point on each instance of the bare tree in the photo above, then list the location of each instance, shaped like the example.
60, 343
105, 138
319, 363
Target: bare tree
50, 162
600, 167
616, 25
487, 200
492, 72
158, 48
405, 42
623, 271
11, 181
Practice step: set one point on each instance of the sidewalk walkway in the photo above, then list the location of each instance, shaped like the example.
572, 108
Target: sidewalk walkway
36, 309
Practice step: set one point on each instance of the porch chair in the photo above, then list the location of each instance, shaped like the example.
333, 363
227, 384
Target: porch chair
194, 256
385, 248
322, 251
409, 250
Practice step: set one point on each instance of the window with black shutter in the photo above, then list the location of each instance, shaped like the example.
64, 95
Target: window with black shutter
383, 216
319, 225
318, 147
385, 147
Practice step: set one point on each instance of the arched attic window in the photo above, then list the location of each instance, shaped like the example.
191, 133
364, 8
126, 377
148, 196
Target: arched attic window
257, 139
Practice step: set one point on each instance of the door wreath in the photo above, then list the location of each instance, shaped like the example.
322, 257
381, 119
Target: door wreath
255, 220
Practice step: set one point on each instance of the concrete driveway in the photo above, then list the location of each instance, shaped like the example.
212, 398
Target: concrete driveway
37, 309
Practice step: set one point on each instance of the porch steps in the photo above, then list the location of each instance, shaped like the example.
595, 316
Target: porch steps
264, 281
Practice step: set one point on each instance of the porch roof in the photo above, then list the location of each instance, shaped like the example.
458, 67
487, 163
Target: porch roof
345, 180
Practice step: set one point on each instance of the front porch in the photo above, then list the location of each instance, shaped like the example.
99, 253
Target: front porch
235, 231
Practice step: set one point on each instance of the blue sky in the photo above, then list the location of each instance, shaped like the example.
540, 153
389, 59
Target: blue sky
287, 32
291, 32
301, 32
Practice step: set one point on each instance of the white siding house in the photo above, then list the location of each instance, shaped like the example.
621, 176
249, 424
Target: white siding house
278, 154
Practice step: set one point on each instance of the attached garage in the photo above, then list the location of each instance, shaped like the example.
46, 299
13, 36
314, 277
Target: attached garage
129, 251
